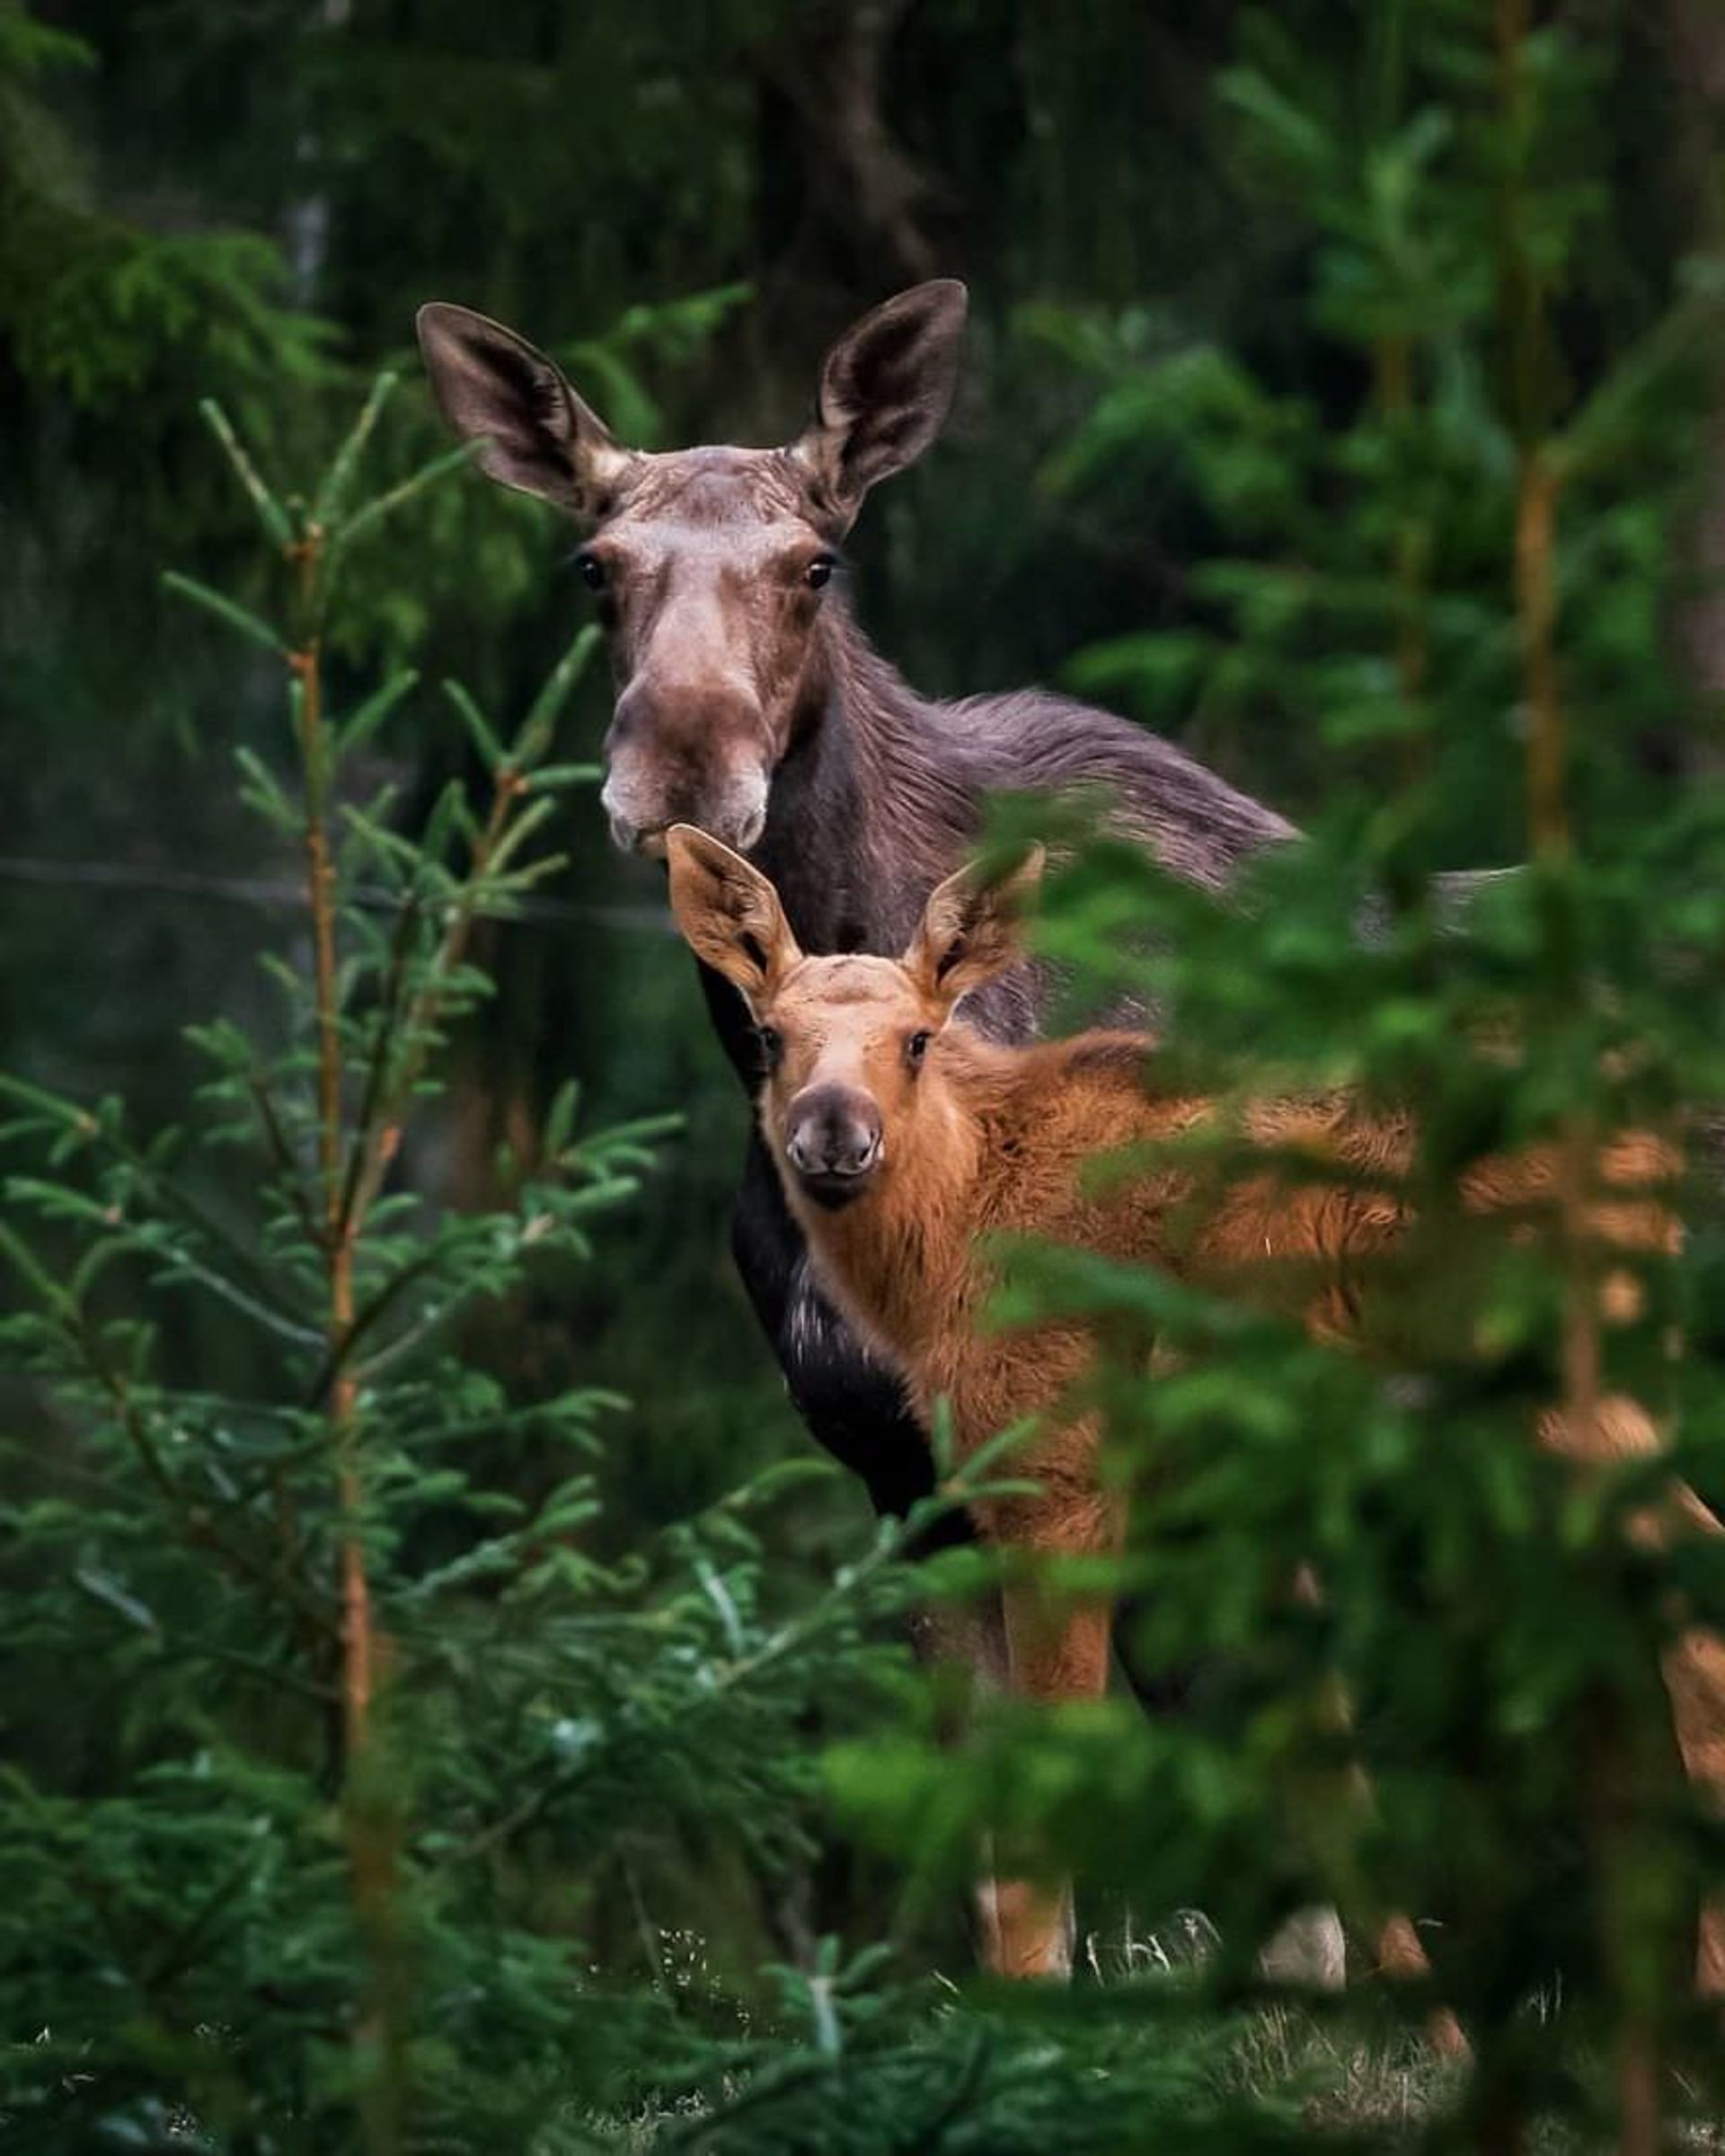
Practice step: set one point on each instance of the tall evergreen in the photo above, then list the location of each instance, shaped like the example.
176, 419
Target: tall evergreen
1461, 579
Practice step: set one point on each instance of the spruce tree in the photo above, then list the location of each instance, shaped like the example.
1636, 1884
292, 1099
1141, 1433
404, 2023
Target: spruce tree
1461, 584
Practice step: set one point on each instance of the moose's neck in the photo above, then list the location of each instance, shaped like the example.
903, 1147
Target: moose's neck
880, 791
870, 806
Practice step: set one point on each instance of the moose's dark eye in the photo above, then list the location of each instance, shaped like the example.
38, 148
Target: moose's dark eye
772, 1046
592, 571
916, 1047
819, 572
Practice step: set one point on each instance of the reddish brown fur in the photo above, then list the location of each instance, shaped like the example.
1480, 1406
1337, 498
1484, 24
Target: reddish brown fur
977, 1140
987, 1141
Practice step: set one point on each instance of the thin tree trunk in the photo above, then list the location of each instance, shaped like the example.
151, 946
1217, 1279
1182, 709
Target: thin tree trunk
1695, 38
865, 204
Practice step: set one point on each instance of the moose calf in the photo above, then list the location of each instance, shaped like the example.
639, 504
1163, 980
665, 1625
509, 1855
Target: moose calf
903, 1137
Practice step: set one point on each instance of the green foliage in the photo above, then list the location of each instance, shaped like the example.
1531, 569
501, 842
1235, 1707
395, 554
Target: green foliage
1459, 587
366, 1724
562, 172
1300, 295
380, 1757
90, 305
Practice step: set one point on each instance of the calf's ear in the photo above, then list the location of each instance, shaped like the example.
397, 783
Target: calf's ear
728, 912
885, 387
971, 930
496, 389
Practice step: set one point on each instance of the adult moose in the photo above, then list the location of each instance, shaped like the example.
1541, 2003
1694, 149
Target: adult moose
749, 704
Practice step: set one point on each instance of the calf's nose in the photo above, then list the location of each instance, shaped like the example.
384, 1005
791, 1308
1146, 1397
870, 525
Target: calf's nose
833, 1132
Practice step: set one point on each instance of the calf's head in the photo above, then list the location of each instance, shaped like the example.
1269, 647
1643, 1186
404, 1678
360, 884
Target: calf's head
709, 565
852, 1045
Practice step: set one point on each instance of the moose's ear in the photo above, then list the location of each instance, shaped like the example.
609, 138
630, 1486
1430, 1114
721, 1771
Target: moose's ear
970, 931
728, 912
885, 387
493, 387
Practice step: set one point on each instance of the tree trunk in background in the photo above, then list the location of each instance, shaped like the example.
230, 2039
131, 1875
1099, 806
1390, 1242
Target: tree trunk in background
862, 218
1695, 39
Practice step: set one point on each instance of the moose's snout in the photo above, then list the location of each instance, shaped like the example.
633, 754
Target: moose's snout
833, 1142
680, 755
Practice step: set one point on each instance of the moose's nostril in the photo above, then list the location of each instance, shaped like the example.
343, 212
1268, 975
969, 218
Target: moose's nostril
855, 1152
833, 1137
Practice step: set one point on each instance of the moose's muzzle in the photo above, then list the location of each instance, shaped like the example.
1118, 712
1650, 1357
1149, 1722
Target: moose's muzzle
683, 755
833, 1143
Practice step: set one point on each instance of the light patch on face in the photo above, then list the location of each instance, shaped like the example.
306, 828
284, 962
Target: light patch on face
705, 563
714, 489
648, 551
849, 1000
847, 1021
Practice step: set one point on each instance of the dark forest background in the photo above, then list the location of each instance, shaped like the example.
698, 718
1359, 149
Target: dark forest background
247, 200
685, 203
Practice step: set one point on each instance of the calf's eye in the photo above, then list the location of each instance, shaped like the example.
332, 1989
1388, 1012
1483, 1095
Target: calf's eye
819, 572
916, 1047
592, 571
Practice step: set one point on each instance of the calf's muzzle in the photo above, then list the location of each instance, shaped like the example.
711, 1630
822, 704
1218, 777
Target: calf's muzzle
833, 1142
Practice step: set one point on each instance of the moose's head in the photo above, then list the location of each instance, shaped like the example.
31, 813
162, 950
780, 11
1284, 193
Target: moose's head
708, 564
855, 1080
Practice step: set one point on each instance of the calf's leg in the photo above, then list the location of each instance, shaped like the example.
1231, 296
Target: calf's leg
853, 1406
1057, 1649
1695, 1662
